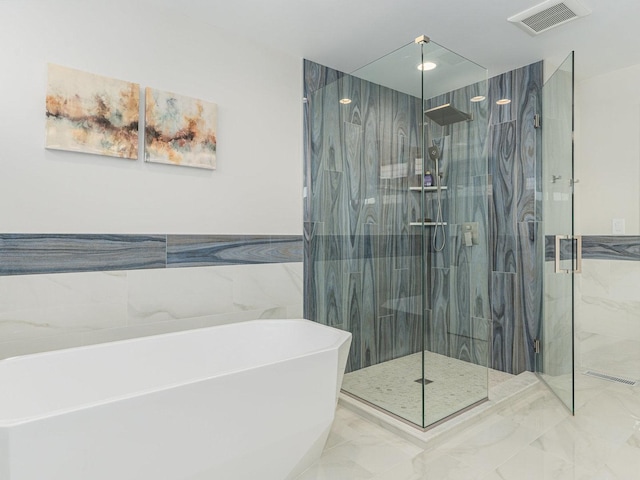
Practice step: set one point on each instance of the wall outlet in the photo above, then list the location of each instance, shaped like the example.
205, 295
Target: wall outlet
617, 226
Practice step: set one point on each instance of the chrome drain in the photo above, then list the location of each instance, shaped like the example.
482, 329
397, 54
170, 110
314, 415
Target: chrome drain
611, 378
424, 381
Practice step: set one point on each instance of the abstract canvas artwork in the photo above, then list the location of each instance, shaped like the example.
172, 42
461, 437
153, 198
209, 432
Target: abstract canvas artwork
92, 114
180, 130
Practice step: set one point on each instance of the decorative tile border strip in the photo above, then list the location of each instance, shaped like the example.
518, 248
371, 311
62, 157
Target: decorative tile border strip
24, 254
610, 247
599, 247
212, 250
27, 254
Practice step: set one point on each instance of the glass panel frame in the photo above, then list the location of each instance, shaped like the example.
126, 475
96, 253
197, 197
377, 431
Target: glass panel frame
555, 360
458, 333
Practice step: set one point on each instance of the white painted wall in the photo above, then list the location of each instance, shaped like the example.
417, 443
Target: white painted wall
257, 186
607, 160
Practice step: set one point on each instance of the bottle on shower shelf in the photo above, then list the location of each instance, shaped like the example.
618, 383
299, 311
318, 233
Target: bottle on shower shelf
428, 179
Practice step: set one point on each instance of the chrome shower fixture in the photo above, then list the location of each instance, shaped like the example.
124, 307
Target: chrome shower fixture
434, 153
446, 114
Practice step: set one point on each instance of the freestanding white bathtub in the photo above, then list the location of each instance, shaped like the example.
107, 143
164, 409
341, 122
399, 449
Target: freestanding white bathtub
252, 400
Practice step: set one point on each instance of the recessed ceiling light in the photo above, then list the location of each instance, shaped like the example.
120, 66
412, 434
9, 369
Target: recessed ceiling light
426, 66
345, 101
478, 98
504, 101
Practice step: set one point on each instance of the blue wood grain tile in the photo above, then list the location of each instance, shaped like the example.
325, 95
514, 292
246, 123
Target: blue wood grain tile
611, 247
529, 302
212, 250
502, 161
598, 247
503, 294
23, 254
529, 88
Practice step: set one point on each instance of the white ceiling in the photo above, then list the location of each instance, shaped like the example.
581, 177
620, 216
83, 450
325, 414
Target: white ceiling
347, 34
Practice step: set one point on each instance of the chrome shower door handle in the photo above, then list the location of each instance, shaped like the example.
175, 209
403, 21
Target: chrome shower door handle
578, 239
578, 256
557, 252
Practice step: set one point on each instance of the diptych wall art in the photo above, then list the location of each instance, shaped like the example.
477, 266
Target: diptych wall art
180, 130
91, 114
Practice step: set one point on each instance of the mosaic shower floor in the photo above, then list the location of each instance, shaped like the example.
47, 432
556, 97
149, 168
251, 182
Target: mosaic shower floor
392, 385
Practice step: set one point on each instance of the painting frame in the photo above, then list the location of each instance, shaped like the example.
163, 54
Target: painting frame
180, 130
90, 113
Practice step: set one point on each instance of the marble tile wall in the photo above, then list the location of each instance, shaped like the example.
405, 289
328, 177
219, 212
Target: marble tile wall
607, 306
59, 291
42, 312
484, 300
607, 317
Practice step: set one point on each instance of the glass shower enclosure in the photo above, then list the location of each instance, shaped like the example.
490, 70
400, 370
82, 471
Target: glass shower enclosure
396, 220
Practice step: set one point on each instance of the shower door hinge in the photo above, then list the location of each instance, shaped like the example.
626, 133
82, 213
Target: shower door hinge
536, 345
537, 121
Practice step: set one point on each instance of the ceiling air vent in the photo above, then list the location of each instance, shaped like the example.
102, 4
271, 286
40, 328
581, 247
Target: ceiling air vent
549, 14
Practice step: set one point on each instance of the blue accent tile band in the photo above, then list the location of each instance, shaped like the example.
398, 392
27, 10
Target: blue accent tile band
598, 247
610, 247
24, 254
212, 250
28, 254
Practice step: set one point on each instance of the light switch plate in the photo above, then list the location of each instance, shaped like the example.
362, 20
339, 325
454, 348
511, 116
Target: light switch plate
617, 226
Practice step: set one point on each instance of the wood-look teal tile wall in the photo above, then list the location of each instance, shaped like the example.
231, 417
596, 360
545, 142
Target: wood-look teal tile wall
499, 193
217, 250
24, 254
367, 203
515, 166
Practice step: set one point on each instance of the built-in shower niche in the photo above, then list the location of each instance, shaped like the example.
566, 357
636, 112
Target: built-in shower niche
385, 257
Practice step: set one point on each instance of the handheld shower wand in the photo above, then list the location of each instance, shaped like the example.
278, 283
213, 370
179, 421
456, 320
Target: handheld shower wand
434, 155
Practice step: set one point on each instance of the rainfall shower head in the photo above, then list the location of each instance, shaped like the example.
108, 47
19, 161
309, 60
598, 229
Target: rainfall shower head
446, 115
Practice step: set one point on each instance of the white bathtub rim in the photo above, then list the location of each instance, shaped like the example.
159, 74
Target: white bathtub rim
13, 422
171, 334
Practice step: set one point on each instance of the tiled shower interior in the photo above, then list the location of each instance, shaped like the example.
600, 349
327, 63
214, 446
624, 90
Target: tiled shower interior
363, 258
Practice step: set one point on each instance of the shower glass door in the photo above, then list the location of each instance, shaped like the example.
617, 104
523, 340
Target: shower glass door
416, 301
455, 234
554, 360
430, 119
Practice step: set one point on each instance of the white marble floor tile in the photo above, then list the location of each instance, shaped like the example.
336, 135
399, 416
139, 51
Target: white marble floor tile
490, 447
492, 476
625, 464
441, 467
534, 464
575, 445
634, 440
611, 417
534, 438
362, 459
335, 469
540, 413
